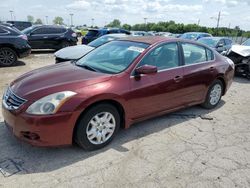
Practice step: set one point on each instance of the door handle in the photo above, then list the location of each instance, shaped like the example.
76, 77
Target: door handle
45, 37
178, 78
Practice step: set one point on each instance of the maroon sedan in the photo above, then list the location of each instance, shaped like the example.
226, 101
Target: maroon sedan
113, 86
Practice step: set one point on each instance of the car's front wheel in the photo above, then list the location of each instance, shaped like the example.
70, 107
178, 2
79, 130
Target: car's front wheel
97, 127
8, 57
214, 95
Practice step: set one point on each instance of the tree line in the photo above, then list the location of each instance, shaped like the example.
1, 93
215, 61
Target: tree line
57, 20
169, 26
172, 27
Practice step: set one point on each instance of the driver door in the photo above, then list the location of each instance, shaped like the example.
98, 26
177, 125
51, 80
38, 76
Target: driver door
161, 91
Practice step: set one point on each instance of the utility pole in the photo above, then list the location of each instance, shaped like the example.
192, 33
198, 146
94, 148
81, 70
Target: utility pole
145, 21
71, 19
198, 22
92, 22
47, 20
229, 25
11, 14
218, 21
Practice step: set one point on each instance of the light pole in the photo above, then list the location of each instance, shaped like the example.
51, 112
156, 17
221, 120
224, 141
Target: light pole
92, 22
11, 14
218, 21
47, 21
71, 19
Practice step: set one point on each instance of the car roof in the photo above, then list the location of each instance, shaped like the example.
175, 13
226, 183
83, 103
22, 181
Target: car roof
197, 33
215, 38
51, 26
148, 39
118, 35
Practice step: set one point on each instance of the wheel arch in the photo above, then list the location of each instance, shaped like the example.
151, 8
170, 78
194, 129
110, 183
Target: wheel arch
115, 103
221, 78
6, 45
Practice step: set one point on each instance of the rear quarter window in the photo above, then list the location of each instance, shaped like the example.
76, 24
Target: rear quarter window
194, 53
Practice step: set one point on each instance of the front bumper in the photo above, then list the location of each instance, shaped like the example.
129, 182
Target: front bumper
49, 130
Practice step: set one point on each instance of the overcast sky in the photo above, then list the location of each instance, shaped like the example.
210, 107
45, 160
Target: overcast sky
234, 12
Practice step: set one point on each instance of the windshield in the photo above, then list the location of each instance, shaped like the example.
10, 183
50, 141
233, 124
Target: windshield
209, 42
112, 57
246, 43
100, 41
189, 36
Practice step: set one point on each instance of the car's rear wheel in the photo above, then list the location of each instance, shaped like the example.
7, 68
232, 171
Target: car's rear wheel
97, 127
214, 94
8, 57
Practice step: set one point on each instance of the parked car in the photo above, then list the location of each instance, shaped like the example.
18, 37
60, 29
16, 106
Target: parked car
119, 83
141, 33
194, 35
240, 55
77, 31
50, 37
76, 52
21, 25
96, 33
13, 45
220, 44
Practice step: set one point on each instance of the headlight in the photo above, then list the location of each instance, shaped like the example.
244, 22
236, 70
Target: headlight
50, 104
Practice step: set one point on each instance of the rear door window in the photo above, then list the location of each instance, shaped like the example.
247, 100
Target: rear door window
92, 33
193, 53
228, 42
40, 31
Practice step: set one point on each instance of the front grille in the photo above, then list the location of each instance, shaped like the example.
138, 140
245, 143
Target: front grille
11, 101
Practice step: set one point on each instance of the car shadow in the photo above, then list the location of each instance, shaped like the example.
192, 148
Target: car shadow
241, 79
18, 63
46, 51
26, 159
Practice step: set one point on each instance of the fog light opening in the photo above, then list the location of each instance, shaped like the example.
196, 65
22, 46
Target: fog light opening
30, 136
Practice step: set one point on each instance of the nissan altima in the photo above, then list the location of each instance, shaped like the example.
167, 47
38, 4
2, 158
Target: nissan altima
112, 87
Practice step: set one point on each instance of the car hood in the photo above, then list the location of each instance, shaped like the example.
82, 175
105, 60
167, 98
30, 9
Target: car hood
55, 78
73, 52
241, 50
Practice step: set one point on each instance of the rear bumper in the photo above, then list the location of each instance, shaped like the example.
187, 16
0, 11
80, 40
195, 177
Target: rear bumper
24, 52
51, 130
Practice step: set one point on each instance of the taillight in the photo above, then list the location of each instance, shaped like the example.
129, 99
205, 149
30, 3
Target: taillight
231, 63
24, 37
74, 35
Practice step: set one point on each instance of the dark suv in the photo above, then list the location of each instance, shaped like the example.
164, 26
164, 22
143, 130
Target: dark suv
96, 33
50, 37
13, 45
20, 24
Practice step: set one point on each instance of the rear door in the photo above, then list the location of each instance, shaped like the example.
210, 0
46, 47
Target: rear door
55, 37
199, 72
38, 38
154, 93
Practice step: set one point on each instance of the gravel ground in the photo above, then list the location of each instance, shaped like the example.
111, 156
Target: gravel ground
188, 148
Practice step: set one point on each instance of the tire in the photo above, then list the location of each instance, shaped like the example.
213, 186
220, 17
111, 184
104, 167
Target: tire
88, 131
214, 95
8, 57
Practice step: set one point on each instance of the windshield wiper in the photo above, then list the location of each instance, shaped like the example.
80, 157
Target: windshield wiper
87, 67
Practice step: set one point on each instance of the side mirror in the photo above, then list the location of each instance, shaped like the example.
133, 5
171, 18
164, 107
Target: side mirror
146, 69
220, 45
